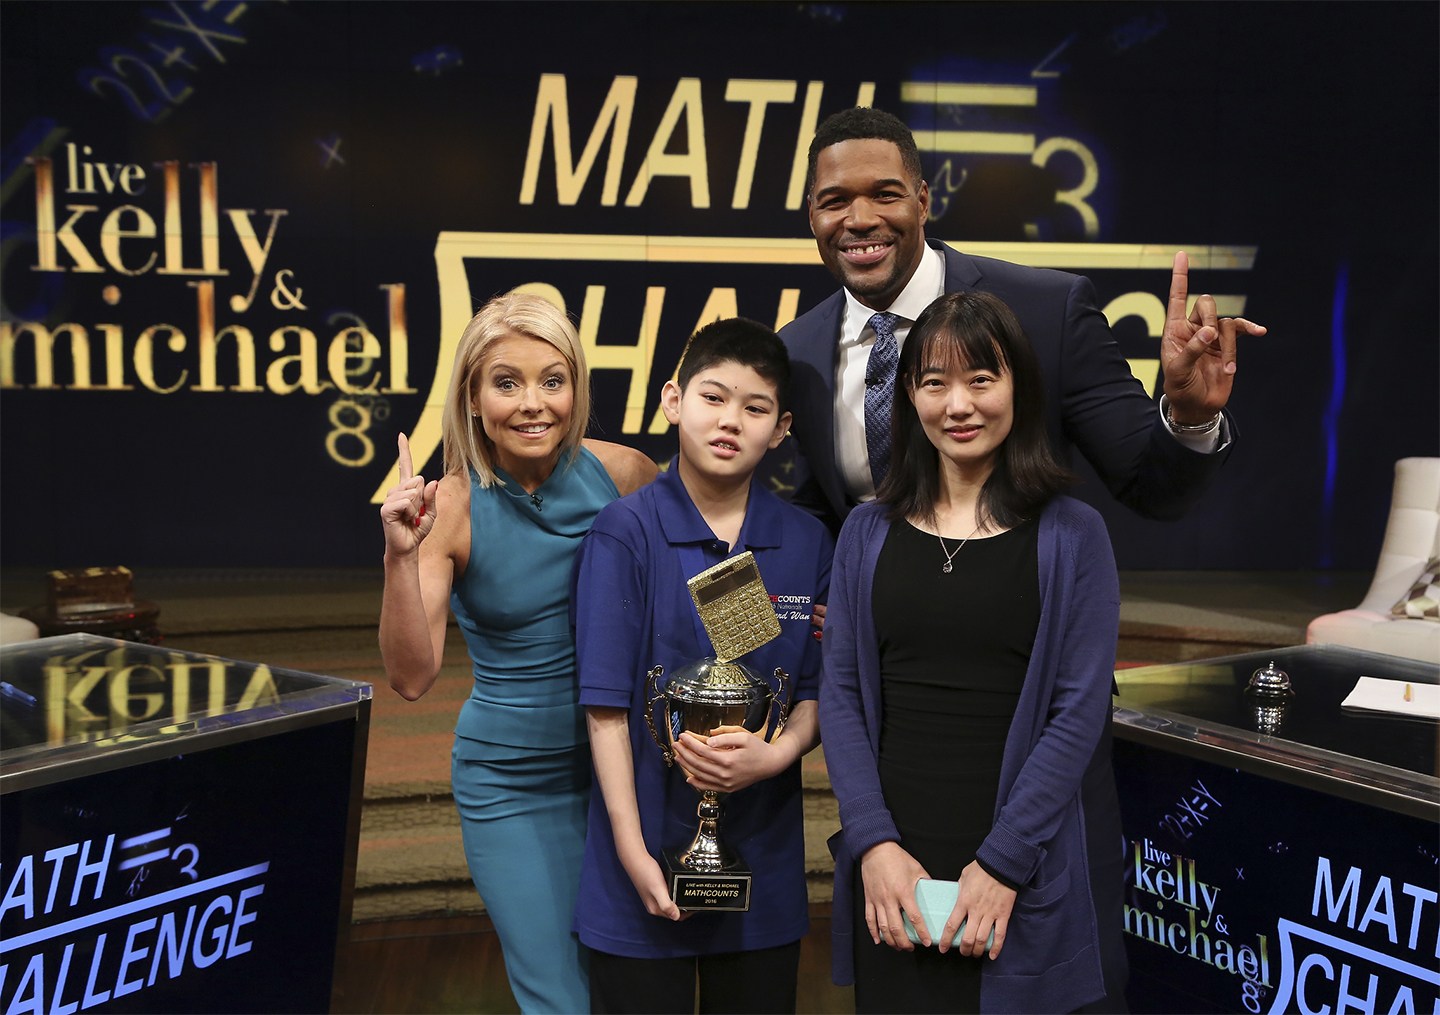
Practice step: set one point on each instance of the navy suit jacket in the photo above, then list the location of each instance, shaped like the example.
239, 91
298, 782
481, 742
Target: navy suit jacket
1092, 401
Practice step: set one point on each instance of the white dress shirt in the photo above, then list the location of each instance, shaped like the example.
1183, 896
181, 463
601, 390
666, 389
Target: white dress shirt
856, 340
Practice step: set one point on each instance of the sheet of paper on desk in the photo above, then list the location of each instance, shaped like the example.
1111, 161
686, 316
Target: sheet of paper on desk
1372, 694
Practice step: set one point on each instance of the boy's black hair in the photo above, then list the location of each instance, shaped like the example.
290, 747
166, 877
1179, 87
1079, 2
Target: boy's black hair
739, 340
864, 123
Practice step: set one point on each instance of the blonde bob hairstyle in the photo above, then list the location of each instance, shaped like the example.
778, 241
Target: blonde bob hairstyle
514, 313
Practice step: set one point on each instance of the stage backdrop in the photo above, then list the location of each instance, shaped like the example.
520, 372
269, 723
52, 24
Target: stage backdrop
241, 239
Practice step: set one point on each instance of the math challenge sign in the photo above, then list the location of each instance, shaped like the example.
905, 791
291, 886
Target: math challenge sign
239, 240
194, 883
1244, 894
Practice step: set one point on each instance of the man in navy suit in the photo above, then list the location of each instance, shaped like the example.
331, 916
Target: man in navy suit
868, 201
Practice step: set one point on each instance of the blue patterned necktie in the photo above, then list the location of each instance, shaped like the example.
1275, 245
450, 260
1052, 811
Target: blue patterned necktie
880, 393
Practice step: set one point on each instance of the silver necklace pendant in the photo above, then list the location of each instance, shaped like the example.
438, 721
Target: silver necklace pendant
947, 567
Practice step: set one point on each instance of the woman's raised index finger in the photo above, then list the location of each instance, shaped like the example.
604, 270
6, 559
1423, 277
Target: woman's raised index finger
407, 469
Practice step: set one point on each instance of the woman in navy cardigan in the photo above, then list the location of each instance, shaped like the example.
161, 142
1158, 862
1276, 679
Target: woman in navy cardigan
969, 655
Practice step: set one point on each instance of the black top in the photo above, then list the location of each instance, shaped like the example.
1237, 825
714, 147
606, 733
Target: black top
954, 648
956, 644
953, 653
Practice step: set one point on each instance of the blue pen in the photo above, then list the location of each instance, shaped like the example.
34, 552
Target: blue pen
9, 690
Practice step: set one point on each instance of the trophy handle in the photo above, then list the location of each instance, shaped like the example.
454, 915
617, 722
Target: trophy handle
652, 688
781, 700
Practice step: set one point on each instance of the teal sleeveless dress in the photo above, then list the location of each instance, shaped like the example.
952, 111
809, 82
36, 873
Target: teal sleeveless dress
520, 767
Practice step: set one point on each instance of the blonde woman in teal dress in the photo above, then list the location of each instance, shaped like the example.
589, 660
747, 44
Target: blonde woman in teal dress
494, 540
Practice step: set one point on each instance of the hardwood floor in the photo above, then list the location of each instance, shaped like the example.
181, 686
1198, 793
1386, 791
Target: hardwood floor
449, 965
441, 965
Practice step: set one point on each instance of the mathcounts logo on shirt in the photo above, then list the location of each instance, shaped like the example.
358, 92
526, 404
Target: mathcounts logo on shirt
791, 607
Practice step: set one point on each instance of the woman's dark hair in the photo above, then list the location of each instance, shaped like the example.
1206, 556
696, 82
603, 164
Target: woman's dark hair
972, 331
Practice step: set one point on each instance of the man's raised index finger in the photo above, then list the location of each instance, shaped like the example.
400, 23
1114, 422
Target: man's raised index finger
1179, 286
407, 469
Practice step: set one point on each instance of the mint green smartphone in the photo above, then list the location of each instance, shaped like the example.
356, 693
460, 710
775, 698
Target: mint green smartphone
937, 899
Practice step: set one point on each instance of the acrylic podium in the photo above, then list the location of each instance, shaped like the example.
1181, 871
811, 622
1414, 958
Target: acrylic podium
177, 831
1281, 853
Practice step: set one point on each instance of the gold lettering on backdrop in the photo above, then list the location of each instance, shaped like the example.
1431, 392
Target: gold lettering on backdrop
685, 101
256, 253
957, 95
759, 94
454, 249
634, 358
399, 340
114, 360
552, 108
174, 230
75, 355
551, 119
283, 297
81, 174
800, 161
789, 307
132, 241
966, 94
145, 357
1089, 179
91, 235
209, 341
51, 238
307, 360
366, 350
112, 232
43, 341
359, 430
46, 235
1150, 309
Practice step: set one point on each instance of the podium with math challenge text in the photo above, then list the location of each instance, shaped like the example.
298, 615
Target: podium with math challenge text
1282, 825
178, 832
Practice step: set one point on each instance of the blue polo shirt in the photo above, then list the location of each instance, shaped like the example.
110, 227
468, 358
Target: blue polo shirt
632, 611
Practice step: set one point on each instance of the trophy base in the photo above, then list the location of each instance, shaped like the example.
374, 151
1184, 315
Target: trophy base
725, 891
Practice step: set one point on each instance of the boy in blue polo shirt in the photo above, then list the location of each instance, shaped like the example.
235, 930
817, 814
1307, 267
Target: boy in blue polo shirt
633, 611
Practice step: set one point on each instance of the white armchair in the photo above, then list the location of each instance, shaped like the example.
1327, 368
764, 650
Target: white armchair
1412, 538
16, 629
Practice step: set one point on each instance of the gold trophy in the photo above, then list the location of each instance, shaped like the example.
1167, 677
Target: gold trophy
706, 695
